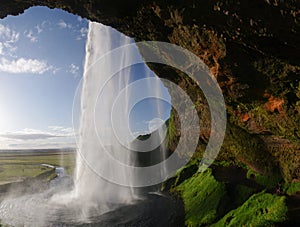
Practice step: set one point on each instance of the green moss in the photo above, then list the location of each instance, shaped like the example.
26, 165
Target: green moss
284, 147
172, 131
282, 75
201, 195
246, 148
223, 163
230, 162
284, 121
262, 209
292, 188
268, 181
181, 175
286, 125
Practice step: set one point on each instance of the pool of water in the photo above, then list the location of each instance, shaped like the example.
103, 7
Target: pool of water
55, 206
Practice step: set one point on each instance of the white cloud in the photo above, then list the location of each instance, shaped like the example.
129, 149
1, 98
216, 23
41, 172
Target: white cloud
32, 34
62, 131
9, 35
9, 49
155, 124
60, 128
55, 70
83, 33
28, 134
22, 65
63, 24
31, 37
45, 23
1, 49
8, 38
74, 69
34, 134
21, 136
39, 29
55, 127
4, 31
55, 137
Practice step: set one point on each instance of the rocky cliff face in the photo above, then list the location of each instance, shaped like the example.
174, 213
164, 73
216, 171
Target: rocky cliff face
252, 48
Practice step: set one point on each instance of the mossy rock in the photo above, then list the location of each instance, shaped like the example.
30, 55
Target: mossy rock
262, 209
201, 195
292, 188
267, 181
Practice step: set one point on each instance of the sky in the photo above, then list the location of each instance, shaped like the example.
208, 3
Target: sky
42, 54
41, 62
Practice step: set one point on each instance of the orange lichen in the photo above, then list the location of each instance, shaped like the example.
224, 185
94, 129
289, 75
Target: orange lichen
274, 104
244, 117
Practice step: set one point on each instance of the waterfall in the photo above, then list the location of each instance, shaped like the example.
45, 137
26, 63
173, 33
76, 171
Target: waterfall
105, 138
96, 135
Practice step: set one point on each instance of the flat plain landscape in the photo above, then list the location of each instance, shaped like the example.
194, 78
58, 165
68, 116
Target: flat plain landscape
17, 166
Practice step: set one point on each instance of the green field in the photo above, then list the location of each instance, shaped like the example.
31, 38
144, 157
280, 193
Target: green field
18, 166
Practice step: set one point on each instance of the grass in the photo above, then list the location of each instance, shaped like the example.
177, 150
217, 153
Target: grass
201, 195
262, 209
19, 166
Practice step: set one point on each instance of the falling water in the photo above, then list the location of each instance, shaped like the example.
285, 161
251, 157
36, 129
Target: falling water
96, 132
105, 140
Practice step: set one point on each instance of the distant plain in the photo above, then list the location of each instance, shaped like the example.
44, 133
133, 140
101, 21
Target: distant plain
18, 166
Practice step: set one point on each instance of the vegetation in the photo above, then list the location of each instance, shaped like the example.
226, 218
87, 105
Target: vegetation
246, 148
209, 200
201, 195
262, 209
172, 131
268, 181
292, 188
19, 166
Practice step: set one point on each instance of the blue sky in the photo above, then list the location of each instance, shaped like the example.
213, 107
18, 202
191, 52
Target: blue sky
42, 55
41, 62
